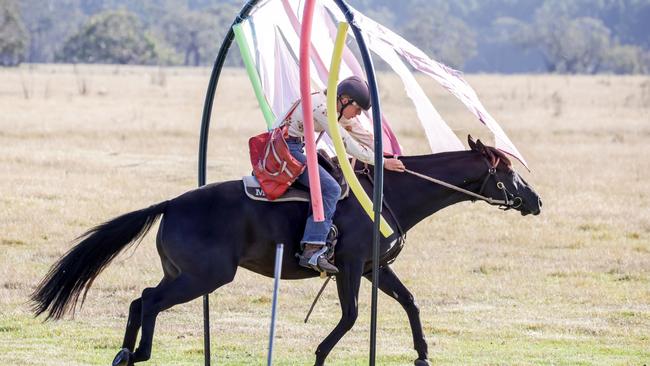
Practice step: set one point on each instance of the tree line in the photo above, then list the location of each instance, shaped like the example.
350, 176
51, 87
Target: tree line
578, 36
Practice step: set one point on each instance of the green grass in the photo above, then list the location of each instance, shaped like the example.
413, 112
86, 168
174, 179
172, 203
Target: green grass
68, 342
569, 287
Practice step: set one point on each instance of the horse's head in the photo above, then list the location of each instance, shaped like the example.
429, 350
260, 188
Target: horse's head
501, 182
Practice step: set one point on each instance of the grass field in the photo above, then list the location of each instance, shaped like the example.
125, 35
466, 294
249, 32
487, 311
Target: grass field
569, 287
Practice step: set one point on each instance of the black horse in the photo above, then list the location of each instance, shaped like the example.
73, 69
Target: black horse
205, 234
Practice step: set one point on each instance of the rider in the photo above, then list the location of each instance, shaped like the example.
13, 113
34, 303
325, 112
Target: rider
353, 96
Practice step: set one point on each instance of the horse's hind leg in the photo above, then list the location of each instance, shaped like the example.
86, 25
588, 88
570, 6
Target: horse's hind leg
391, 285
125, 355
134, 321
133, 324
181, 289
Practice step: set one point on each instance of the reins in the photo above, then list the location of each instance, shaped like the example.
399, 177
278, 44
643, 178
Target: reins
489, 200
505, 203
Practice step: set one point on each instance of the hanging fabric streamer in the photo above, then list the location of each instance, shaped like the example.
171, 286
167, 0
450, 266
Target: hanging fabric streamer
269, 117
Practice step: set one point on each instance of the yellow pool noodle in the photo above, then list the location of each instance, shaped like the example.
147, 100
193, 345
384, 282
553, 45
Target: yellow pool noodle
348, 172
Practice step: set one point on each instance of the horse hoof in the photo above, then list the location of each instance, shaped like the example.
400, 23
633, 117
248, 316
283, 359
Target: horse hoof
420, 362
122, 358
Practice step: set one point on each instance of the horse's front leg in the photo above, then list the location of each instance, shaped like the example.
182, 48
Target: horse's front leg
347, 283
390, 284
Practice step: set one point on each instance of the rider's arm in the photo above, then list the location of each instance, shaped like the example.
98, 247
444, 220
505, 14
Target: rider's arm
357, 141
355, 129
352, 146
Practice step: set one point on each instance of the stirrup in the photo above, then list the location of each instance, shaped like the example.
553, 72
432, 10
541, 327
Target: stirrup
313, 260
318, 262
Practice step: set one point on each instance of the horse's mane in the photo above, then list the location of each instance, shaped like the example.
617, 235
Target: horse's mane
499, 154
491, 153
440, 155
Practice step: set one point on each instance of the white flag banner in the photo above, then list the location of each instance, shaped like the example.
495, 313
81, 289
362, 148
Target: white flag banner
270, 37
440, 136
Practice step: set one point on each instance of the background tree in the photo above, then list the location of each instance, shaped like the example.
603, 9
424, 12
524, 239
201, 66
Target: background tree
49, 23
627, 59
13, 35
577, 36
445, 37
110, 37
195, 35
571, 43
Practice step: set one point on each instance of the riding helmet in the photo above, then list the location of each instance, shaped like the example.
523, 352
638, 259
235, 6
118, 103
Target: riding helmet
357, 90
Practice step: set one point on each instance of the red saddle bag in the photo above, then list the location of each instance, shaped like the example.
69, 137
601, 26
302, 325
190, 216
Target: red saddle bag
273, 165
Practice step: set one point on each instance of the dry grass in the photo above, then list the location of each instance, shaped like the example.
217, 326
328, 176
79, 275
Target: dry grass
569, 287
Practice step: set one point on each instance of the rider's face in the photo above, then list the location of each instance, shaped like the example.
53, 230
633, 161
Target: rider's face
351, 111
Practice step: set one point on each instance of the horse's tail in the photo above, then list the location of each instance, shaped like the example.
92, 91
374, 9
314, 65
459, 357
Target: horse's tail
75, 272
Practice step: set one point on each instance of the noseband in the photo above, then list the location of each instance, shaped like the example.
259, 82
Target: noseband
509, 200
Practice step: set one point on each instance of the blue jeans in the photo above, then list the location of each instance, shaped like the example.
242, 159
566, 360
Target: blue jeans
316, 232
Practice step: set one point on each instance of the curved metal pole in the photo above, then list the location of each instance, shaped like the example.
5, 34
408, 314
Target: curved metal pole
379, 169
378, 176
203, 144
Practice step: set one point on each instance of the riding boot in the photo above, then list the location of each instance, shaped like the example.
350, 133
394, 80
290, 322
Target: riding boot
313, 256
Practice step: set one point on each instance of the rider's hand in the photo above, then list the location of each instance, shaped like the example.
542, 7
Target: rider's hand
394, 164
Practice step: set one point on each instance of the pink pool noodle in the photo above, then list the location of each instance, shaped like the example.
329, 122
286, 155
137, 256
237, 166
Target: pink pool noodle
308, 118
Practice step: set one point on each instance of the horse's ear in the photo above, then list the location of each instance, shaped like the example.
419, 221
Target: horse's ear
479, 146
471, 143
485, 151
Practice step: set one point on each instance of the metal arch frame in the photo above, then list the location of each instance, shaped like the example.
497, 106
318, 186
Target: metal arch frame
203, 144
378, 173
377, 196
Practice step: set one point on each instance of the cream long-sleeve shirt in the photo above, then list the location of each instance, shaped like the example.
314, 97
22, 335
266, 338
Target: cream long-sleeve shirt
357, 140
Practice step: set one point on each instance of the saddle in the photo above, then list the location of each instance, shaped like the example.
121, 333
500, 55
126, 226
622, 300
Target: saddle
298, 192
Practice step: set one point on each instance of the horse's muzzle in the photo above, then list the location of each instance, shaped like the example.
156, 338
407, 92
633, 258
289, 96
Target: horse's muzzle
532, 210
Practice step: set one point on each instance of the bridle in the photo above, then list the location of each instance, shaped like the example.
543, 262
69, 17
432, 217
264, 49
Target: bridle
509, 200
